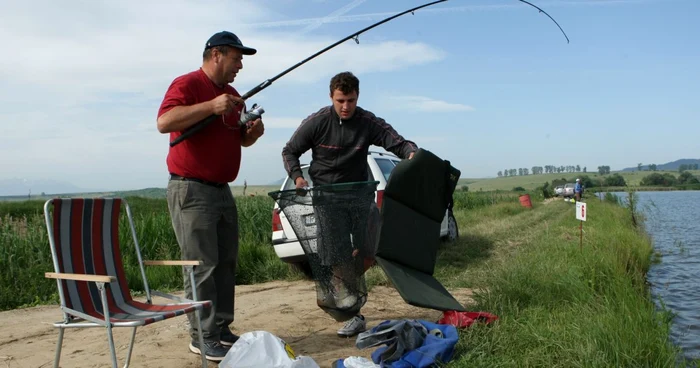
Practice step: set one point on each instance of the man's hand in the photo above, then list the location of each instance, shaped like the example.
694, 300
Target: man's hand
410, 155
255, 129
224, 104
301, 185
301, 182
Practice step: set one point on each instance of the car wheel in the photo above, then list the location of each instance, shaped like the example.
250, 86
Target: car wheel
304, 268
452, 228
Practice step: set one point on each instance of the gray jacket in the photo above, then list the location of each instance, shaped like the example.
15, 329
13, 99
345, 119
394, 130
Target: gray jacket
339, 147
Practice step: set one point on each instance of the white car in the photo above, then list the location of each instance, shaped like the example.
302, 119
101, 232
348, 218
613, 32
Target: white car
559, 190
380, 164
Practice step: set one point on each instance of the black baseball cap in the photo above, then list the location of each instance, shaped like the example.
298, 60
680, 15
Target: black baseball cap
229, 39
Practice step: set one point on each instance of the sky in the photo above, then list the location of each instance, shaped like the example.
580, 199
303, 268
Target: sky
487, 85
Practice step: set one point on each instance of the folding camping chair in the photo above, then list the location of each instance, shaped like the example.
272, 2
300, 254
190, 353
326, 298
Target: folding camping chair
84, 238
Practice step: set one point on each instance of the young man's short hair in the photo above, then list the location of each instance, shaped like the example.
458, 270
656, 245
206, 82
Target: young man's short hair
346, 82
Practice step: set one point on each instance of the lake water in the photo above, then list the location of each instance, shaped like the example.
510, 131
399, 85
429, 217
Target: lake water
673, 222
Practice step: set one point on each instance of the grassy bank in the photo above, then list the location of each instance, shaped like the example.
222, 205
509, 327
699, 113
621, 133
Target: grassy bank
559, 305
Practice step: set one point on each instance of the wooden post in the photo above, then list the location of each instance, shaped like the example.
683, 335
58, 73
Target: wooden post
580, 227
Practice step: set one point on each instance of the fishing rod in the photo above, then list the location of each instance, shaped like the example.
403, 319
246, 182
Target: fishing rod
199, 126
257, 111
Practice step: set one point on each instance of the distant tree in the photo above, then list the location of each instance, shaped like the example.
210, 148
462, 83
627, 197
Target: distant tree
578, 168
505, 172
695, 166
657, 179
615, 180
526, 171
587, 182
547, 191
584, 169
603, 170
652, 167
520, 172
687, 178
639, 166
558, 182
500, 173
683, 167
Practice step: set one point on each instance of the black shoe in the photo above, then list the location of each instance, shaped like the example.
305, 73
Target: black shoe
227, 338
213, 350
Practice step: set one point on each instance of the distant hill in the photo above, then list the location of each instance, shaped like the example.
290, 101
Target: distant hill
22, 187
669, 166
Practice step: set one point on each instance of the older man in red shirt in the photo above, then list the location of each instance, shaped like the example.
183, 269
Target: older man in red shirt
202, 207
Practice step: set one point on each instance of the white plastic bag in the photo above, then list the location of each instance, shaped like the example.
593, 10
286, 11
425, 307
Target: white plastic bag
359, 362
262, 349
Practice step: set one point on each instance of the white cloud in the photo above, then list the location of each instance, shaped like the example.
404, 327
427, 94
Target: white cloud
424, 104
330, 18
83, 81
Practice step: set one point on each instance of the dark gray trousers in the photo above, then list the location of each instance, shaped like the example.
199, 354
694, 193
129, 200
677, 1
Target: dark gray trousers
205, 221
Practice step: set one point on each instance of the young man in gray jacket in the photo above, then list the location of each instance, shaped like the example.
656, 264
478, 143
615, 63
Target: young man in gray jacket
339, 137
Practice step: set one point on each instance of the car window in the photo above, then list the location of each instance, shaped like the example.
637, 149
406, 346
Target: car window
386, 166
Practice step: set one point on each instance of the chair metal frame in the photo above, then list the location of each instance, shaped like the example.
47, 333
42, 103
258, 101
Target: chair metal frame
77, 319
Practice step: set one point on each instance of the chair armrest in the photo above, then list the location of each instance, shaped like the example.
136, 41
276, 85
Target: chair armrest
172, 263
80, 277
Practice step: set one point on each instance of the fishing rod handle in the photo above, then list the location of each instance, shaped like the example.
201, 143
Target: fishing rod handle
194, 129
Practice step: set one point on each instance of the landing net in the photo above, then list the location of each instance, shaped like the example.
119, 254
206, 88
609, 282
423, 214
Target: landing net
336, 226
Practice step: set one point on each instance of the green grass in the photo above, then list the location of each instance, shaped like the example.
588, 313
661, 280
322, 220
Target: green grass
530, 182
558, 305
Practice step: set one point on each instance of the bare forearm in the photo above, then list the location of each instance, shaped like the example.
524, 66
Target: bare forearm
183, 117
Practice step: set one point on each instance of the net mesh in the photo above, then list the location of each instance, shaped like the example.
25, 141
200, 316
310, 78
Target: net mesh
336, 226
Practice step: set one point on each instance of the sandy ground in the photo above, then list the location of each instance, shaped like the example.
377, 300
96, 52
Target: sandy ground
286, 309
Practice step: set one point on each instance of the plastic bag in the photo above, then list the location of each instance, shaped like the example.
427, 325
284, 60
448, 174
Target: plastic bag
359, 362
262, 349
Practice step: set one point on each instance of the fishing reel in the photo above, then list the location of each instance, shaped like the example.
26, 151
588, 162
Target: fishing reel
248, 117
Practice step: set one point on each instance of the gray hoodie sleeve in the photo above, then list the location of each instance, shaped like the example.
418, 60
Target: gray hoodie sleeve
300, 142
384, 135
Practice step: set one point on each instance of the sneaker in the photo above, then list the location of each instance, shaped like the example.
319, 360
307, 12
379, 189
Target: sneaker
227, 338
353, 326
344, 298
213, 350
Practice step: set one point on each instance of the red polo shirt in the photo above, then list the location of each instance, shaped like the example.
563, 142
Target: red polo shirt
213, 153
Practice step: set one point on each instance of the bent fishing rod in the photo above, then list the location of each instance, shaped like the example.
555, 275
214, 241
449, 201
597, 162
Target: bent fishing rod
256, 112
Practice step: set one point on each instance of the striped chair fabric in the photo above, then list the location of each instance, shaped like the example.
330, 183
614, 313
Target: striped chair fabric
86, 234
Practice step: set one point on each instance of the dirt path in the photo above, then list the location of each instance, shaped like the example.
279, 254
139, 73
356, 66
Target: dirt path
286, 309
